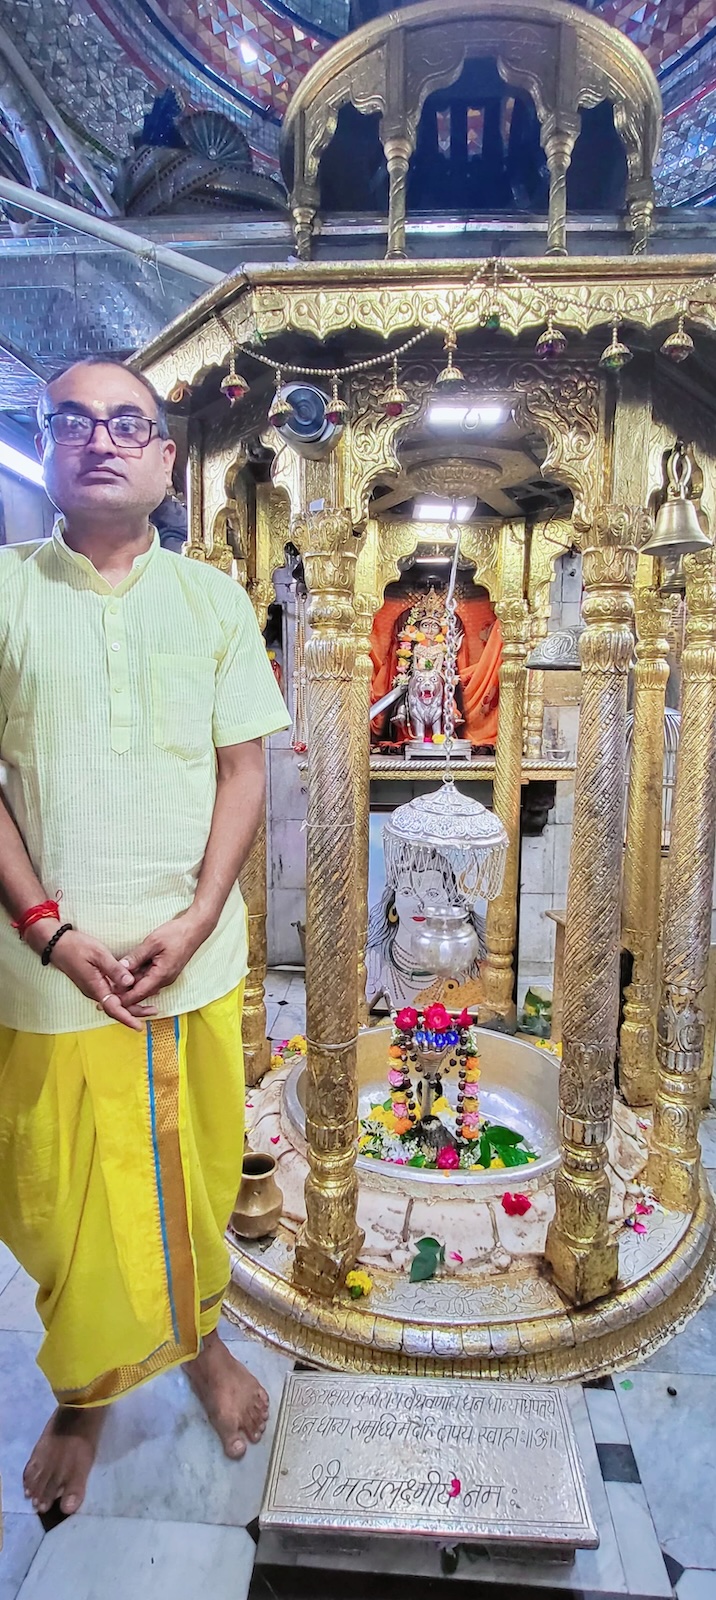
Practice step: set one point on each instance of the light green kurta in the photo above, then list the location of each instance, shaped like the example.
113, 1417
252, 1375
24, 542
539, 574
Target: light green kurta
112, 704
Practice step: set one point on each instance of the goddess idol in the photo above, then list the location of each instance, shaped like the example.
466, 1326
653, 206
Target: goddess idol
408, 657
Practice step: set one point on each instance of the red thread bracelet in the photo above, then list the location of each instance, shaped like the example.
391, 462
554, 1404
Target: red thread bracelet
48, 908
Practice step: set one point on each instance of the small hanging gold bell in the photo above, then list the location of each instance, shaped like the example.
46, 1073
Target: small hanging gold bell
450, 377
279, 409
678, 530
679, 345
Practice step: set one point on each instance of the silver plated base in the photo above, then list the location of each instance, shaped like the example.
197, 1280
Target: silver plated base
419, 750
518, 1089
449, 1459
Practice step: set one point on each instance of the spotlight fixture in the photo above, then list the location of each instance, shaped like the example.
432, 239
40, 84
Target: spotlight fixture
15, 461
462, 414
431, 508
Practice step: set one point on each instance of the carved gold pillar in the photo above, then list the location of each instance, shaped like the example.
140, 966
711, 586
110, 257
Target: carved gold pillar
583, 1258
365, 606
673, 1168
640, 211
329, 1240
534, 713
397, 154
558, 144
252, 881
642, 858
497, 974
305, 196
396, 141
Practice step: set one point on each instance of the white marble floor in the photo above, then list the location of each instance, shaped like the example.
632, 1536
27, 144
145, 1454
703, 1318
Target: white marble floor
285, 1003
166, 1513
166, 1516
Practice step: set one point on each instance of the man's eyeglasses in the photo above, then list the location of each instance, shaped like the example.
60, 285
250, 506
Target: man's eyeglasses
74, 427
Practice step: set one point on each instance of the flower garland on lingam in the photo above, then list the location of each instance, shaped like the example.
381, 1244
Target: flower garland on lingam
417, 1126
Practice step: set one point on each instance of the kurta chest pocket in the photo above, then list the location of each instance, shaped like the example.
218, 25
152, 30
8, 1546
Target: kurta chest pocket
182, 703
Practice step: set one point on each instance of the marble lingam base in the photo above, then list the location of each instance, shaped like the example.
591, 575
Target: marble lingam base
492, 1311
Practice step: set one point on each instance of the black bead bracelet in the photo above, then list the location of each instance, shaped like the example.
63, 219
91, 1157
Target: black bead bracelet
67, 927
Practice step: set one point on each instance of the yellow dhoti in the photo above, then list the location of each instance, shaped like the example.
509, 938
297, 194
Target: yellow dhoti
120, 1160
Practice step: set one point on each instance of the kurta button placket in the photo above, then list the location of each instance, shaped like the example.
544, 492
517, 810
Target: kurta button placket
120, 707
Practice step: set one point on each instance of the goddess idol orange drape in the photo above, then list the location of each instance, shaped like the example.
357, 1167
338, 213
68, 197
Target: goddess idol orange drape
478, 662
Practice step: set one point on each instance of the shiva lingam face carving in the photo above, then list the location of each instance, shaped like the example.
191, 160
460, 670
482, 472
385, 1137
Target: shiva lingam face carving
393, 969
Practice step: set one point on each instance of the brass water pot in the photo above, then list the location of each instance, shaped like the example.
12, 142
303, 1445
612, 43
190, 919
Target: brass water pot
259, 1202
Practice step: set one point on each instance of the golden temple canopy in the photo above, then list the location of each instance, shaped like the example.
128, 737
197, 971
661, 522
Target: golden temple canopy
562, 60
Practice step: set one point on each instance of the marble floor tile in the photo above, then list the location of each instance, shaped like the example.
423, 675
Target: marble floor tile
691, 1351
707, 1138
672, 1439
273, 1013
26, 1402
17, 1305
22, 1537
289, 1019
276, 986
8, 1266
697, 1585
108, 1558
605, 1416
636, 1536
159, 1458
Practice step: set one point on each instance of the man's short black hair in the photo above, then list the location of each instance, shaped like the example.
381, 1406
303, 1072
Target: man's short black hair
110, 361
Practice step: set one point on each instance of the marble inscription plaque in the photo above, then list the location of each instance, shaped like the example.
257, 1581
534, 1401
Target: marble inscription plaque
443, 1457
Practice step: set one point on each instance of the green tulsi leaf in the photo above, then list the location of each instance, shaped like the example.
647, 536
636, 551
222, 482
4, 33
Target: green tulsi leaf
422, 1268
499, 1137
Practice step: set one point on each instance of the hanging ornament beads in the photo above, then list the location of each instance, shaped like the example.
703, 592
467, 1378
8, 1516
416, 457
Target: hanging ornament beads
679, 344
336, 410
551, 343
280, 408
402, 1095
395, 398
616, 354
234, 386
468, 1103
450, 377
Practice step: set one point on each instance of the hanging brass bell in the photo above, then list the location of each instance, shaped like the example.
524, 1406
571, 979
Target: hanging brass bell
678, 530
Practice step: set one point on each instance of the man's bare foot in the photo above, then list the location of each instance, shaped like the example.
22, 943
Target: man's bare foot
235, 1403
60, 1463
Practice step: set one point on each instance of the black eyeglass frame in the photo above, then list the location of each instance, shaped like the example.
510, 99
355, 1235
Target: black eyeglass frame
105, 422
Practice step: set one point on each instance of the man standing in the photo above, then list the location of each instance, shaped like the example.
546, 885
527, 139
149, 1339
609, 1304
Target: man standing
134, 695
